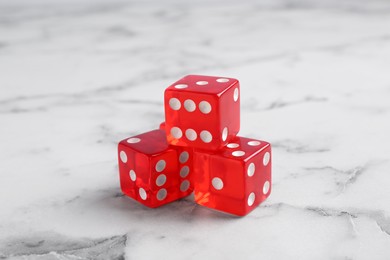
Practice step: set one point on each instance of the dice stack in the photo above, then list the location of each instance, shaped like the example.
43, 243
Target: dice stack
197, 150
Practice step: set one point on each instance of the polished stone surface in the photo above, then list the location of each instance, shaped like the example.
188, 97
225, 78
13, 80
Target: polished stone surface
76, 77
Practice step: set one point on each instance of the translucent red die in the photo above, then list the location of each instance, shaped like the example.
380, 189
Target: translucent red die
235, 179
150, 169
202, 111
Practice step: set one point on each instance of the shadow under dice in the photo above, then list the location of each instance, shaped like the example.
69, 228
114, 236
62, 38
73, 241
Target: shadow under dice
235, 179
202, 111
149, 169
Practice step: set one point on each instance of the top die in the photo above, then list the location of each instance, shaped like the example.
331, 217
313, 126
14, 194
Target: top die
202, 111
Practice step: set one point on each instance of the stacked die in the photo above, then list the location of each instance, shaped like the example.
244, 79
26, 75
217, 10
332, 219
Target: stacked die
197, 149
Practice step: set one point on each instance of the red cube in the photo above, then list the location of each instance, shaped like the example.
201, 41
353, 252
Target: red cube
202, 111
234, 179
151, 170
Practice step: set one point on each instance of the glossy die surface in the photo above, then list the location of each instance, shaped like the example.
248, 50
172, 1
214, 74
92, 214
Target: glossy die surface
185, 169
185, 164
235, 179
202, 111
149, 169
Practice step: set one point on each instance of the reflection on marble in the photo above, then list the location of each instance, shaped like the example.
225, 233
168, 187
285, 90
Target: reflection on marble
76, 77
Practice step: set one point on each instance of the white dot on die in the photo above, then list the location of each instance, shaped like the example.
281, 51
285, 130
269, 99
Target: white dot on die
161, 179
217, 183
181, 86
160, 165
184, 185
206, 136
162, 194
251, 169
235, 95
133, 140
174, 103
233, 145
176, 132
223, 80
266, 158
184, 171
253, 143
189, 105
251, 199
123, 156
238, 153
191, 134
204, 107
266, 187
142, 193
184, 157
224, 134
201, 83
133, 176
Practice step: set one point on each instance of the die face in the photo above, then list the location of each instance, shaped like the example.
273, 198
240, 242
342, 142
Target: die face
185, 169
129, 175
203, 84
243, 149
202, 112
237, 183
150, 179
229, 104
185, 161
150, 143
149, 170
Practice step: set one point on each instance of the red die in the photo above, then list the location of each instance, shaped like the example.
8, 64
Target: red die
235, 179
202, 111
150, 169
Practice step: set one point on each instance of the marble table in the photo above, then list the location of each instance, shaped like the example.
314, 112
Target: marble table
76, 77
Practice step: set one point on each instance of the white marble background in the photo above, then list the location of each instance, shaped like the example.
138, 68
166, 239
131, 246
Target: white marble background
76, 77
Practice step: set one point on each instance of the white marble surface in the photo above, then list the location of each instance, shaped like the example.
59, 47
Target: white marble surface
76, 77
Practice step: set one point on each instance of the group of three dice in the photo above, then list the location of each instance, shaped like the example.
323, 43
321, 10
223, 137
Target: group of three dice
197, 149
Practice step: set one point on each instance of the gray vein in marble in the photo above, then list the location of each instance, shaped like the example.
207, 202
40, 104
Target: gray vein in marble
44, 246
377, 216
343, 178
